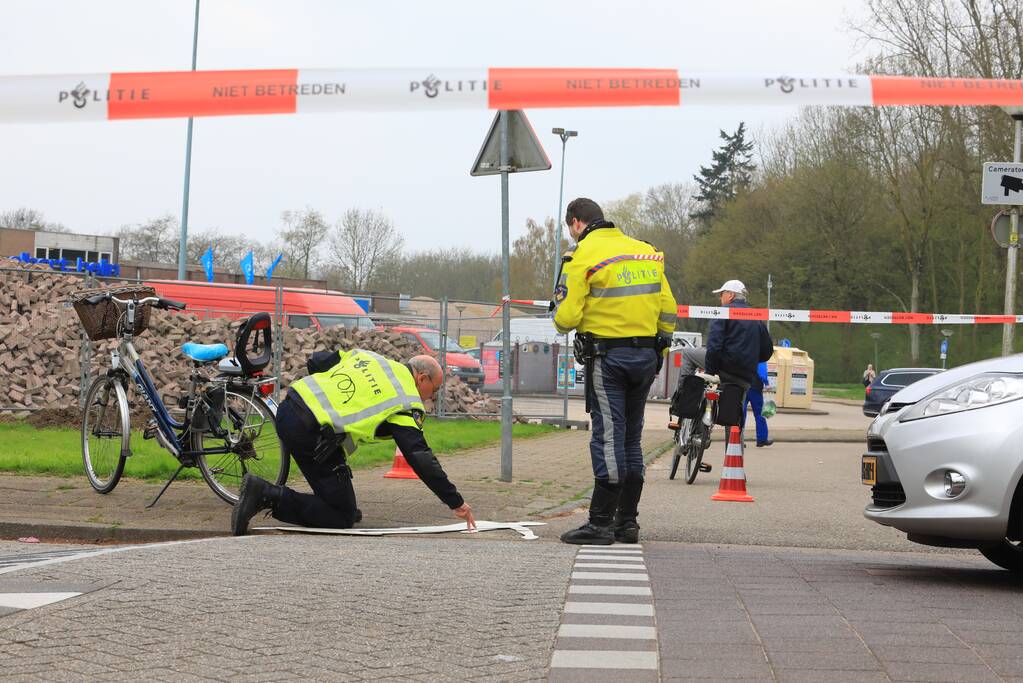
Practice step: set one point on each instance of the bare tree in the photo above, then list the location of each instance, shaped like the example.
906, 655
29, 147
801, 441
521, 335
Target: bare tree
228, 250
303, 235
361, 241
28, 219
155, 240
531, 257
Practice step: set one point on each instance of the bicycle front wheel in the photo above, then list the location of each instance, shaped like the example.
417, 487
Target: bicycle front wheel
248, 444
694, 456
106, 433
676, 458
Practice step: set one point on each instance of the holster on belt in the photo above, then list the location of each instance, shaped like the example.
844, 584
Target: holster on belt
334, 448
586, 349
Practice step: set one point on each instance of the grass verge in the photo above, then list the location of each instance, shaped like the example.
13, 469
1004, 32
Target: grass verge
853, 392
24, 449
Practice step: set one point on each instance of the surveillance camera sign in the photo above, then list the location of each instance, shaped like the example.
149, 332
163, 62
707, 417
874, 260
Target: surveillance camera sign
1002, 183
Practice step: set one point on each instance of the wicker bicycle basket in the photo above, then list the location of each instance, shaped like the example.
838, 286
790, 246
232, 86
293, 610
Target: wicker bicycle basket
100, 320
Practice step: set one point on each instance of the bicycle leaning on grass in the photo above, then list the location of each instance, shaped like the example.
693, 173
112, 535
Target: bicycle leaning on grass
228, 426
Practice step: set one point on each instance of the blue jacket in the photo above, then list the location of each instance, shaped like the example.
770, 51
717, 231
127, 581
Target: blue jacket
737, 346
760, 378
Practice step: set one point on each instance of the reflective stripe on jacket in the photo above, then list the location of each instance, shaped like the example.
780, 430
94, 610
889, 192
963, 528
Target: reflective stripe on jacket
614, 286
359, 393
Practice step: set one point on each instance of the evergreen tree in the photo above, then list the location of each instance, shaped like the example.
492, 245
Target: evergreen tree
731, 172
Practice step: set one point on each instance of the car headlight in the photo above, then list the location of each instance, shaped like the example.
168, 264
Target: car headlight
454, 368
981, 391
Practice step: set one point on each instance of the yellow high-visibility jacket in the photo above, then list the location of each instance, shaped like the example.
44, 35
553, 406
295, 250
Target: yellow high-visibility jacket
359, 393
613, 286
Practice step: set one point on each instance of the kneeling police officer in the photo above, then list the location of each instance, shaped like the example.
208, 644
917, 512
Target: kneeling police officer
613, 292
349, 398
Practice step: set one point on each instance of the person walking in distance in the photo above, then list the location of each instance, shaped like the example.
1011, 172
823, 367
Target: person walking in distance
613, 293
755, 401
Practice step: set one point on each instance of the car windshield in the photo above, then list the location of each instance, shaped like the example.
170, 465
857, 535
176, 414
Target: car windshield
432, 340
360, 322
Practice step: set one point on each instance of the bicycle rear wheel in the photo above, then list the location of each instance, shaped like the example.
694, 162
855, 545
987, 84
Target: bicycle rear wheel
106, 433
251, 444
694, 456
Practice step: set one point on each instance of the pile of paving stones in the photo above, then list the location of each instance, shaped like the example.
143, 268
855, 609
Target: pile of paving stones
43, 346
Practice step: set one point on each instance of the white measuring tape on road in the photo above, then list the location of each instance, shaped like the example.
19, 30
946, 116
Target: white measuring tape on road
180, 94
481, 525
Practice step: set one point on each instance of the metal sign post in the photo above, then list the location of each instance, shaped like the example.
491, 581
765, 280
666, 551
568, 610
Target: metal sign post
506, 397
511, 146
1009, 180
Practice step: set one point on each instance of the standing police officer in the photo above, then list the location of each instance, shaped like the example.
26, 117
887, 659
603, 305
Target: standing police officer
613, 292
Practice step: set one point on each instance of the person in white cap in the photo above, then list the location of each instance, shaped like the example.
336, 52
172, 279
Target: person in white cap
734, 347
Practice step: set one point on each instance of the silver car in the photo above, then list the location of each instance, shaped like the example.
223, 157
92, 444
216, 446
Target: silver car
945, 458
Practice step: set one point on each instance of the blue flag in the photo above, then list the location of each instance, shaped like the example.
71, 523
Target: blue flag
207, 264
248, 269
270, 270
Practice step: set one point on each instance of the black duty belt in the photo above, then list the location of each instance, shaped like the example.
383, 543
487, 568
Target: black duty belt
626, 342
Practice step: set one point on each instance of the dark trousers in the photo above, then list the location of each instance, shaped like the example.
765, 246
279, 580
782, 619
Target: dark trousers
755, 400
620, 383
332, 503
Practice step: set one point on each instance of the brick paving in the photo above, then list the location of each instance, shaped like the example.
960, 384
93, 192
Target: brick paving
796, 615
293, 607
470, 608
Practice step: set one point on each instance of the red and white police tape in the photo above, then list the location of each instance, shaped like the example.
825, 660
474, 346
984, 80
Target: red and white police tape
170, 94
822, 316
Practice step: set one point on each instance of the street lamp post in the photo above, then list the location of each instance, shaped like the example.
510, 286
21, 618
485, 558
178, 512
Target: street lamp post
564, 135
875, 336
188, 162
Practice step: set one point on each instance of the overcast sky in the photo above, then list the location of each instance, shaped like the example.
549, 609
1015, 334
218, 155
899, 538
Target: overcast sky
95, 177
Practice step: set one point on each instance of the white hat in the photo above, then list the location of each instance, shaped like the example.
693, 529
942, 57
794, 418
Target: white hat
735, 286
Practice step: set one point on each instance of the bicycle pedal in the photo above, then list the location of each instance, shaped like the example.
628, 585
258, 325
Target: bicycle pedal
149, 431
704, 467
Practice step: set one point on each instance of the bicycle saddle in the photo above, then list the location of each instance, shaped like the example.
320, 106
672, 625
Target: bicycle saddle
204, 353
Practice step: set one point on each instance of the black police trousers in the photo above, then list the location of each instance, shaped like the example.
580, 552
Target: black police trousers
332, 503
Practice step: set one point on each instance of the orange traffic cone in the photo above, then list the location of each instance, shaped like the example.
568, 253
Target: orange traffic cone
400, 469
733, 477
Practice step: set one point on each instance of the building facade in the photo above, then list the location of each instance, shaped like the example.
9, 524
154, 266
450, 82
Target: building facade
59, 245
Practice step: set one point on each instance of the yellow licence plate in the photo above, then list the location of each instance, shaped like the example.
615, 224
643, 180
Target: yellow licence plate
869, 469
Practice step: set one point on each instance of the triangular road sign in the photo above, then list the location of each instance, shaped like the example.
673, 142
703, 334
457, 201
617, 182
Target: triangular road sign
525, 153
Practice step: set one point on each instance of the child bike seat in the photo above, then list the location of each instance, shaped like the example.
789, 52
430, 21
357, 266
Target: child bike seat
204, 353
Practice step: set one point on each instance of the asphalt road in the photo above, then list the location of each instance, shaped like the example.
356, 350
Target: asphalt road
805, 495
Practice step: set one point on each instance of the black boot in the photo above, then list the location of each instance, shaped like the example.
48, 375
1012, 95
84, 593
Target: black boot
254, 495
626, 528
597, 531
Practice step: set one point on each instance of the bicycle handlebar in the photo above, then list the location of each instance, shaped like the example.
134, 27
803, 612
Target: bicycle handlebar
158, 302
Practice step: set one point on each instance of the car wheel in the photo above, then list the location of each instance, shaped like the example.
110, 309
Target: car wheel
1007, 554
